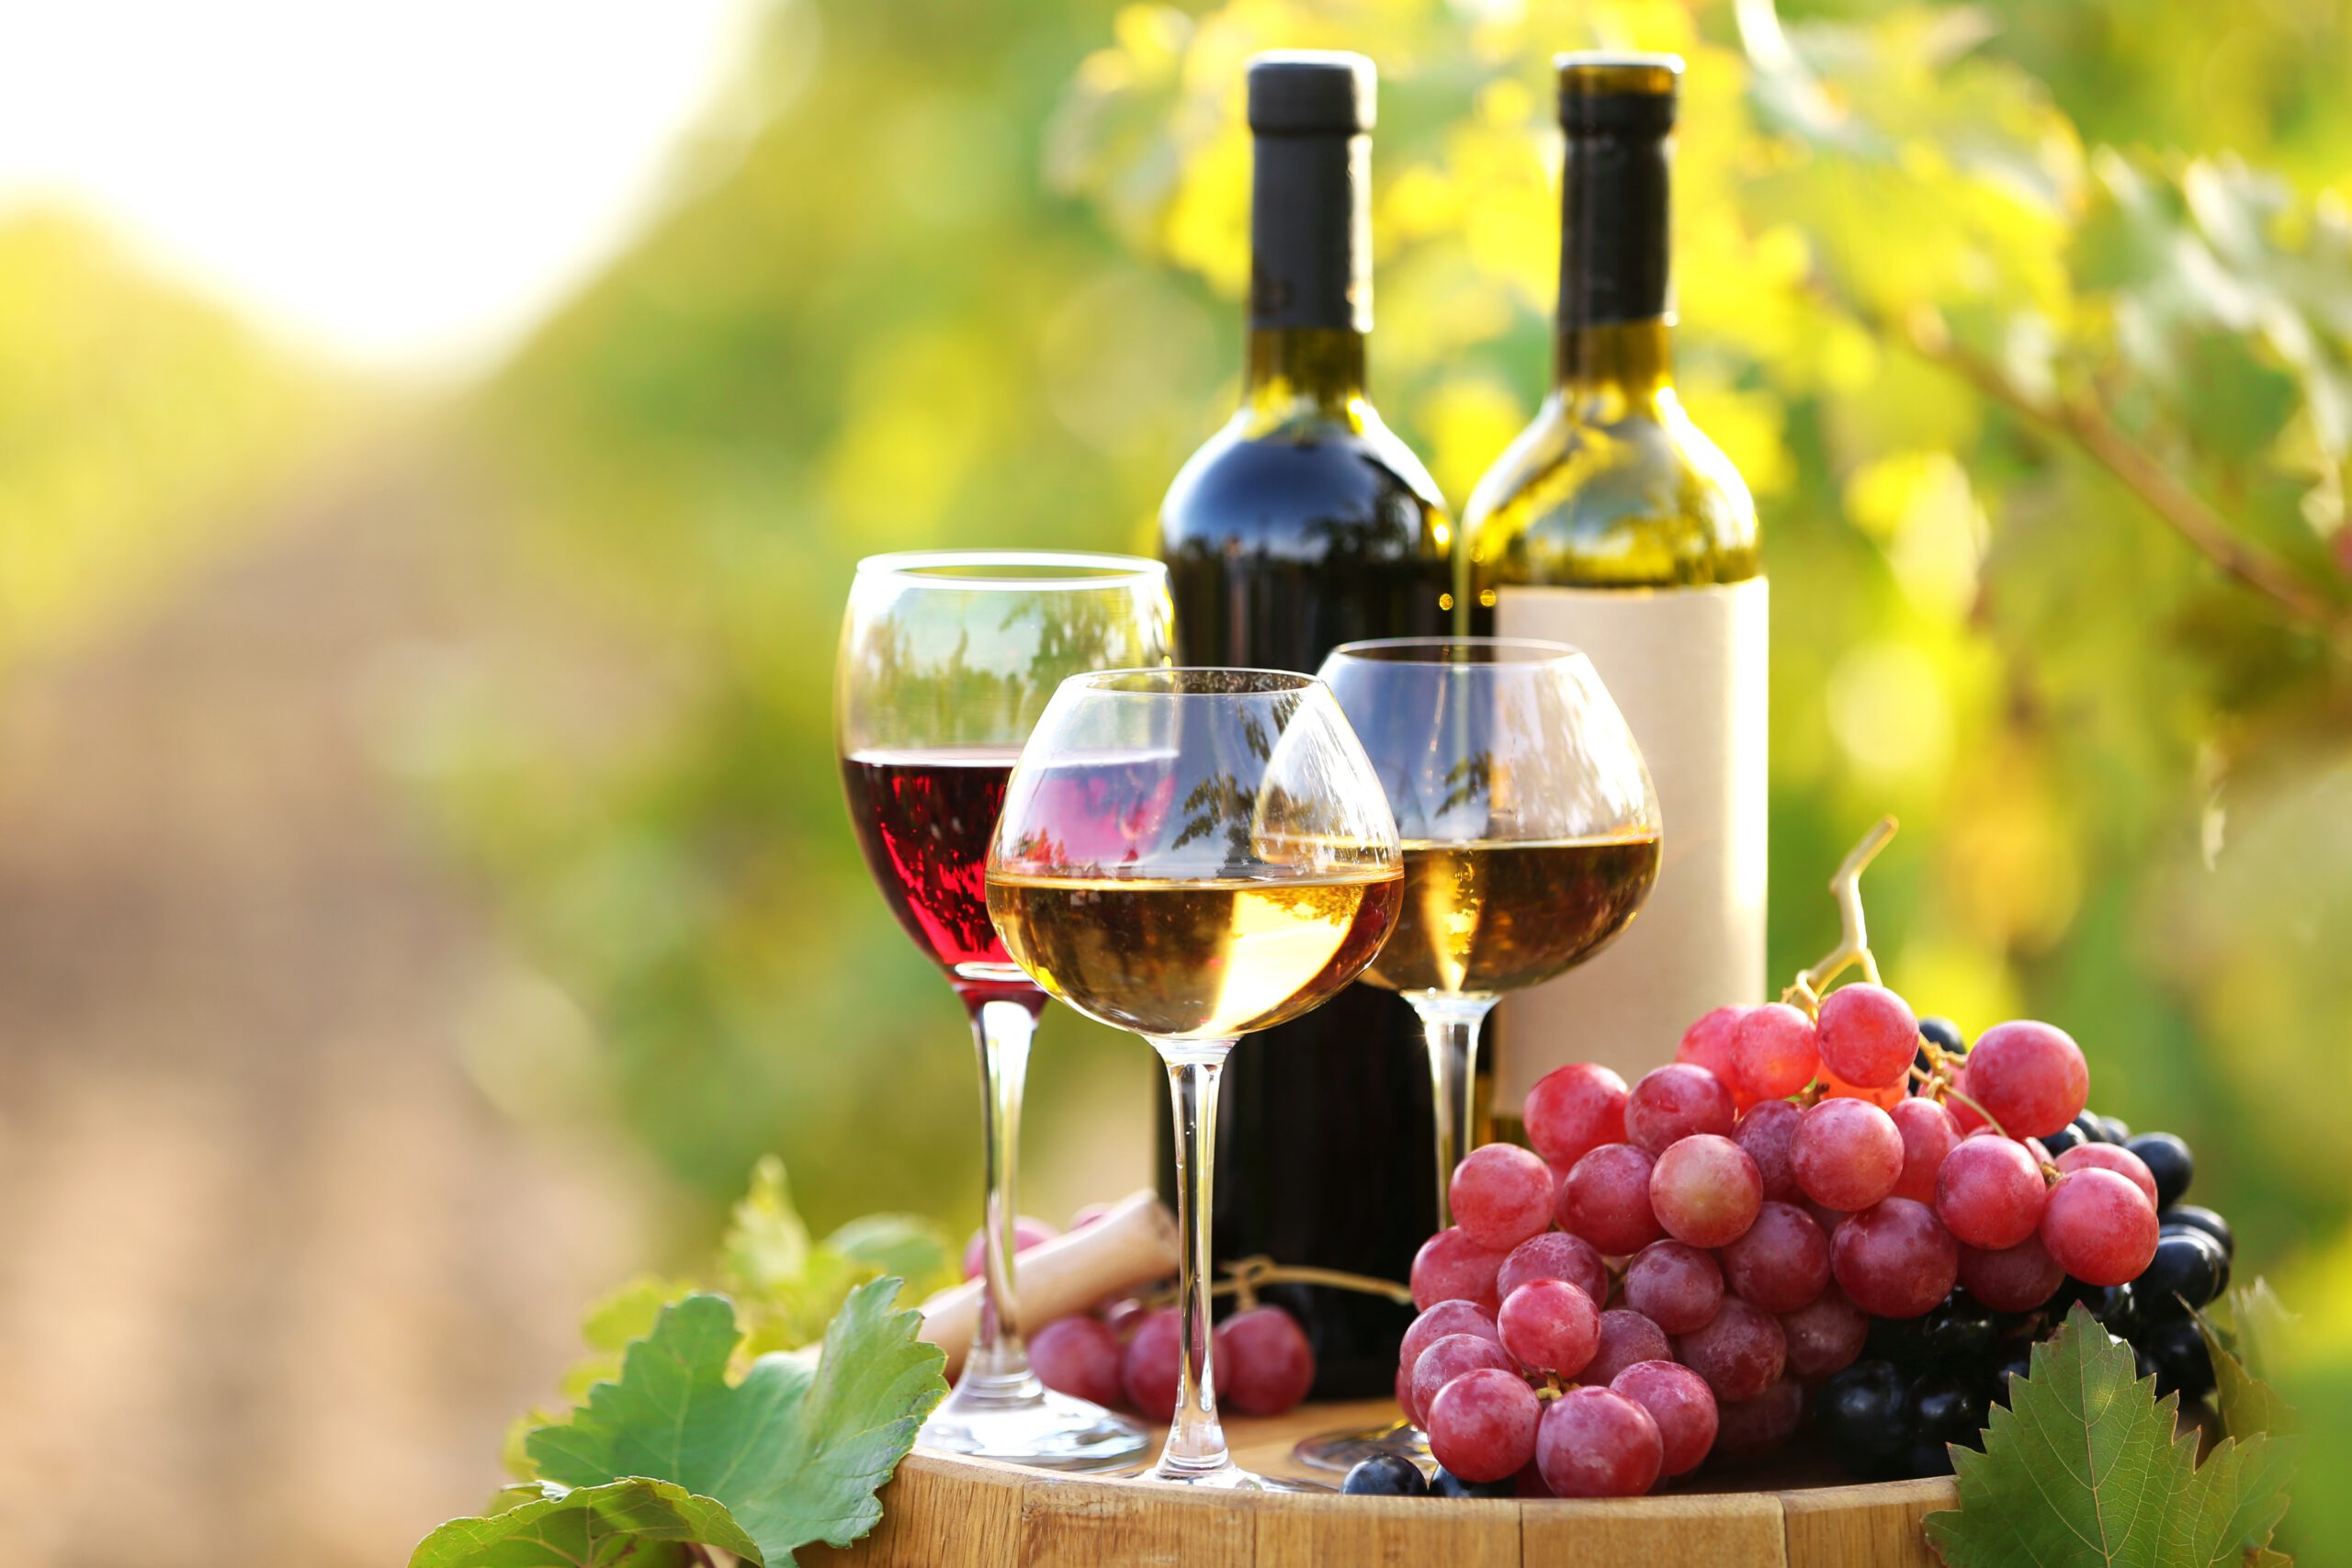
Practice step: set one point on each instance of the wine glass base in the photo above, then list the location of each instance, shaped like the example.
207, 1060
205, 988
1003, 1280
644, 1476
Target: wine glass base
1345, 1451
1228, 1477
1033, 1425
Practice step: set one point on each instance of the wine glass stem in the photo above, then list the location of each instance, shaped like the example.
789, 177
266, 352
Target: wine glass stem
1003, 1030
1196, 1442
1451, 1024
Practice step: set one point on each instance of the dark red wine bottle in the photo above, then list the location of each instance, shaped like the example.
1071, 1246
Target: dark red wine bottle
1302, 525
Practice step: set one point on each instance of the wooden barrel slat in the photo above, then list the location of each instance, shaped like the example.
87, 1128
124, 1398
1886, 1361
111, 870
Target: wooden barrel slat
943, 1512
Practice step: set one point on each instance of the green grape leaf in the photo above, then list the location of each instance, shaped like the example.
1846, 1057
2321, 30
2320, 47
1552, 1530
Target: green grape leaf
2085, 1469
793, 1452
639, 1522
766, 1245
2248, 1405
906, 1244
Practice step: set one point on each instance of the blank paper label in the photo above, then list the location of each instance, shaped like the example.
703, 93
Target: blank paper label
1688, 667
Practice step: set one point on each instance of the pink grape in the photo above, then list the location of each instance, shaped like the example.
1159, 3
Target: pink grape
1835, 1088
1123, 1315
1607, 1200
1681, 1403
1626, 1336
1782, 1263
1554, 1254
2108, 1156
1149, 1372
1895, 1259
2031, 1077
1758, 1426
1572, 1111
1989, 1193
1827, 1335
1704, 1190
2098, 1227
1765, 1130
1776, 1052
1079, 1356
1869, 1036
1710, 1043
1673, 1102
1264, 1365
1739, 1353
1482, 1426
1598, 1443
1929, 1133
1403, 1387
2014, 1278
1827, 1218
1447, 1359
1028, 1231
1675, 1285
1501, 1194
1441, 1319
1550, 1326
1846, 1154
1451, 1267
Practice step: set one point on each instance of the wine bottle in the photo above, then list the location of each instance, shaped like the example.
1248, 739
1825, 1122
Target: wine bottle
1301, 525
1612, 523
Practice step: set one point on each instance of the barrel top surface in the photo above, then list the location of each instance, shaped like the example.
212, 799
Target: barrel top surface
1790, 1511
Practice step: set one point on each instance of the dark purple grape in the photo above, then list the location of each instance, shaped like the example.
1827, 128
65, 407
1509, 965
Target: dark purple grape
2169, 1161
2190, 1216
2183, 1365
1386, 1475
1865, 1418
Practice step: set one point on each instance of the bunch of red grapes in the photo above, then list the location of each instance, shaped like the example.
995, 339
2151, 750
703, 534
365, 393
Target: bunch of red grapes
1124, 1353
1740, 1228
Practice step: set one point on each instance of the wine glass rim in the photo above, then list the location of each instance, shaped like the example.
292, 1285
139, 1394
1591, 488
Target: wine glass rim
1048, 569
1275, 682
1528, 651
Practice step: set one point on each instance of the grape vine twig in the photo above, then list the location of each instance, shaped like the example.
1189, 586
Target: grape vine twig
1854, 940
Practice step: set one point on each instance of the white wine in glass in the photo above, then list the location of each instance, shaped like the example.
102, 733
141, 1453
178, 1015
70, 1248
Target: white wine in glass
1194, 855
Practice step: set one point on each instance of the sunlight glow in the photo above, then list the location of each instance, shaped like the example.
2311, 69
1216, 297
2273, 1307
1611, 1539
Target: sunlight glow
405, 185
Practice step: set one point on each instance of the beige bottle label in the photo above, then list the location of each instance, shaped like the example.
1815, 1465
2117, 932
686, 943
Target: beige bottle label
1688, 667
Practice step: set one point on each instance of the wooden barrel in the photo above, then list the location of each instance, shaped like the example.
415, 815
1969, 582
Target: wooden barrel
1789, 1512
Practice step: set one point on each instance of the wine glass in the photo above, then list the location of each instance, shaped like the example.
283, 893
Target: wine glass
1193, 855
1531, 834
946, 659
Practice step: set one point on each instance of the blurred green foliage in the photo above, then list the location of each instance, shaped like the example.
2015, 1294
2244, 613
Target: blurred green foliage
138, 424
2031, 325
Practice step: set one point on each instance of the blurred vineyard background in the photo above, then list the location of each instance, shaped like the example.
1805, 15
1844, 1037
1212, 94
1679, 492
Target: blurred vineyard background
420, 797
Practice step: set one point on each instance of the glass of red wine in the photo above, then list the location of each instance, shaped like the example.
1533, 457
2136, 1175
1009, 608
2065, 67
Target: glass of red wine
1530, 836
947, 657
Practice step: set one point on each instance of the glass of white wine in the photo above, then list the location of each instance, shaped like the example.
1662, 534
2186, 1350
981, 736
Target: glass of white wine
1531, 834
1194, 855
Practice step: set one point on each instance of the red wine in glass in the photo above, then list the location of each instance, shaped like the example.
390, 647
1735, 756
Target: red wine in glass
923, 819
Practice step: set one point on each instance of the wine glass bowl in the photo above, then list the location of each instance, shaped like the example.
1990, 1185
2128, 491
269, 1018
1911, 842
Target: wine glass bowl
946, 659
1193, 855
1530, 823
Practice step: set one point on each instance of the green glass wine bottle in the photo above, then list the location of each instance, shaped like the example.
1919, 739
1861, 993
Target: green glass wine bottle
1613, 524
1302, 524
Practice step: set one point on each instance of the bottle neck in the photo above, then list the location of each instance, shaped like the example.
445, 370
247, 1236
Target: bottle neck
1322, 365
1310, 269
1616, 312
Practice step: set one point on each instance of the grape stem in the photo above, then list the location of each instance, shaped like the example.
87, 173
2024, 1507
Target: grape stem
1937, 1083
1245, 1276
1854, 941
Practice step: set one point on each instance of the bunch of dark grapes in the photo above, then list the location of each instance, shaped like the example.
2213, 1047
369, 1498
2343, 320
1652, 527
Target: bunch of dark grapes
1928, 1382
1124, 1353
1837, 1215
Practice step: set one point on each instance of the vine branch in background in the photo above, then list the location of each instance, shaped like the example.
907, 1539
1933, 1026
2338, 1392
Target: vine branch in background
2207, 531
